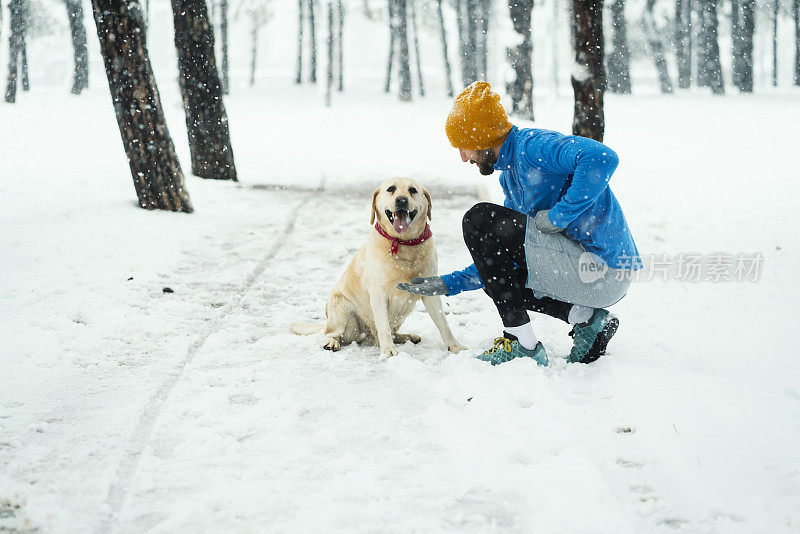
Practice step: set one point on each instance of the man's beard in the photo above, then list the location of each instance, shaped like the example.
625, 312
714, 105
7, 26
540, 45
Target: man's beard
486, 162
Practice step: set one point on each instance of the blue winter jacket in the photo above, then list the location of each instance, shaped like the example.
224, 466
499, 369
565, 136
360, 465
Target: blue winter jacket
568, 175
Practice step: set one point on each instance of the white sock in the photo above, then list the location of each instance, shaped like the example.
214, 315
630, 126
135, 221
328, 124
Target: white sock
579, 314
524, 335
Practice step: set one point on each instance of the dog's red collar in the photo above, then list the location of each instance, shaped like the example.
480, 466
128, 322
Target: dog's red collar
426, 234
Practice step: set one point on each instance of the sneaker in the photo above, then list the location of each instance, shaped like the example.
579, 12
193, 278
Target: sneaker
591, 337
508, 348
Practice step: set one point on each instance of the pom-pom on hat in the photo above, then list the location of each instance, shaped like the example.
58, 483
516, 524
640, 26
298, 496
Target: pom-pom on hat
477, 120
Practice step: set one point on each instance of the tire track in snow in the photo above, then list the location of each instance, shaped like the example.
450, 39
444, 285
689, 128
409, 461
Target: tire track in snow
140, 436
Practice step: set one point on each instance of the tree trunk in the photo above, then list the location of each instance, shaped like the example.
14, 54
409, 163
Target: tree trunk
482, 44
461, 7
657, 48
26, 80
223, 28
329, 74
404, 66
683, 54
775, 43
154, 164
796, 12
299, 76
736, 42
17, 16
748, 27
392, 37
340, 44
447, 71
713, 65
312, 27
467, 32
80, 80
554, 40
520, 57
588, 75
471, 45
253, 48
206, 120
701, 48
619, 60
416, 47
689, 40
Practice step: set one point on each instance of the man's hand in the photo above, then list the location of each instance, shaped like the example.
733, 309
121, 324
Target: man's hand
427, 287
543, 223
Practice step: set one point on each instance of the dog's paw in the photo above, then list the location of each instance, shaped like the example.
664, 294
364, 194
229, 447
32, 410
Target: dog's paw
390, 351
455, 347
402, 338
332, 344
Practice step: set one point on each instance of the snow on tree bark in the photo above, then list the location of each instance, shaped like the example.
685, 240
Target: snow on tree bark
683, 54
17, 16
796, 14
701, 60
482, 44
588, 76
156, 171
657, 48
80, 80
619, 59
253, 46
745, 54
299, 75
471, 45
776, 7
736, 42
467, 33
329, 74
312, 35
206, 119
340, 45
712, 68
520, 58
223, 28
447, 70
403, 59
26, 83
416, 47
392, 39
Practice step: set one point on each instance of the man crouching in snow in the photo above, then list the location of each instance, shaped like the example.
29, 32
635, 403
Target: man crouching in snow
559, 245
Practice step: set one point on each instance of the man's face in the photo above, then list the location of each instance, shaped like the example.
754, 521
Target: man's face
484, 159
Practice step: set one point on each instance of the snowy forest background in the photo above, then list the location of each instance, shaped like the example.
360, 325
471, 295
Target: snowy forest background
617, 46
148, 377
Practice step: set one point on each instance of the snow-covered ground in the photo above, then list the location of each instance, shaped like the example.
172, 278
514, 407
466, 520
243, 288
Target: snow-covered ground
127, 409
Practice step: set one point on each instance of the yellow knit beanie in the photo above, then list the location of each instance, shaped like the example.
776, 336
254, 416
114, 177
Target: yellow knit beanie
477, 120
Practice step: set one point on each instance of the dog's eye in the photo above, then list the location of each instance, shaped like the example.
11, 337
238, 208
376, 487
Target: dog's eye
392, 189
412, 190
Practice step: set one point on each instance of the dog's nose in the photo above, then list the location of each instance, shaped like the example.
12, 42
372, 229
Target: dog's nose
401, 202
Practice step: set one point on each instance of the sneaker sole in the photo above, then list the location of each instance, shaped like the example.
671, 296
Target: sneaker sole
601, 341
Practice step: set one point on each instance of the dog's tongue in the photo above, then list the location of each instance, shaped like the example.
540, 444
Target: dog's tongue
400, 222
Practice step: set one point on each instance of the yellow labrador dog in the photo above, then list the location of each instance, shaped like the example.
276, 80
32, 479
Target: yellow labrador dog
365, 305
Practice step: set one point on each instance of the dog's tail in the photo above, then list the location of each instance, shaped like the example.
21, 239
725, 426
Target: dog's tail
306, 329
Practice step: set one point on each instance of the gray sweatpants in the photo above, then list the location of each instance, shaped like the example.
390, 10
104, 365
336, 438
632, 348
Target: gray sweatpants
562, 269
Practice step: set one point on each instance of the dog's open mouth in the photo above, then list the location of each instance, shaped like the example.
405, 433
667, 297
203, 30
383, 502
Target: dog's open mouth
401, 219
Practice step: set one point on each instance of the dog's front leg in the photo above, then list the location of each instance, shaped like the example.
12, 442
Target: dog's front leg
380, 311
434, 307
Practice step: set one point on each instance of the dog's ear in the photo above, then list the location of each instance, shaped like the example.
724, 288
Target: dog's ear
430, 204
374, 211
